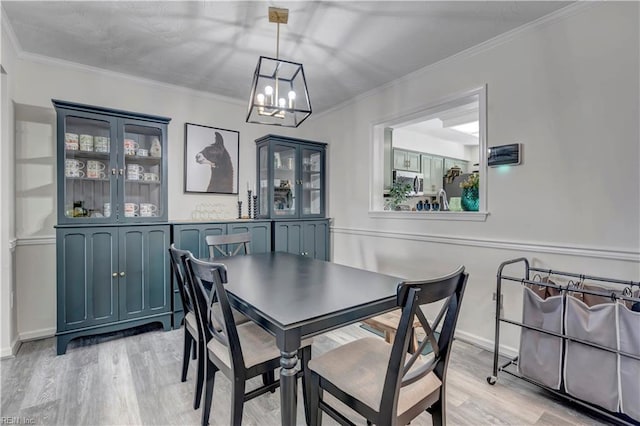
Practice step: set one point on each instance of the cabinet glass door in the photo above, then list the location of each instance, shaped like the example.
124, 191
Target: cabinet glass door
311, 182
263, 181
89, 188
142, 169
284, 180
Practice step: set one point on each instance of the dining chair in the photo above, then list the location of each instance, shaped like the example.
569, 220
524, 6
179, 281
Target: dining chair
192, 337
242, 351
381, 381
228, 245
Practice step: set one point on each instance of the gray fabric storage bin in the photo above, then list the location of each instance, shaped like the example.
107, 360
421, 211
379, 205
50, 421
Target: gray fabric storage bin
540, 354
590, 373
629, 325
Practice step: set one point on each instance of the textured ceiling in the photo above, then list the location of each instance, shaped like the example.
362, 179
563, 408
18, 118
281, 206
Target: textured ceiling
347, 48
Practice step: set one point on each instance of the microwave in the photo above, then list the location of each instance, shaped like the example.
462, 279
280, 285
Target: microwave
414, 179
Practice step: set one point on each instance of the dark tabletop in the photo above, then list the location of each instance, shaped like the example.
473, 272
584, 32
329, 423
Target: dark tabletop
291, 290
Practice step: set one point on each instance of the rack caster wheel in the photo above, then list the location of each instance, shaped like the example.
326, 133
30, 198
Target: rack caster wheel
492, 380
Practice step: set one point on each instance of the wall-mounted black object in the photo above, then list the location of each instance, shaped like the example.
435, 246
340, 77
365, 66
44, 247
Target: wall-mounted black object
504, 155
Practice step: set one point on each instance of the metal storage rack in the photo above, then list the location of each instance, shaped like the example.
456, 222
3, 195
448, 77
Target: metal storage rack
619, 291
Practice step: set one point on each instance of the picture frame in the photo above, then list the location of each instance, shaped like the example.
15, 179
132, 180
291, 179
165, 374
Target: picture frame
211, 159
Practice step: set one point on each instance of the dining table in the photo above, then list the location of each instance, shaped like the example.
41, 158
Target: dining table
294, 297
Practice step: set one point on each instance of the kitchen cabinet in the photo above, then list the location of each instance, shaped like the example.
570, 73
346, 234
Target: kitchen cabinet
303, 237
112, 236
452, 162
432, 171
112, 165
290, 178
111, 278
406, 160
191, 236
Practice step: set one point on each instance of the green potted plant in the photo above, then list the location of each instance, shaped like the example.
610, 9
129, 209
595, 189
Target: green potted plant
398, 194
470, 198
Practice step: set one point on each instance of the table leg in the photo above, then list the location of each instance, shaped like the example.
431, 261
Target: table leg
288, 387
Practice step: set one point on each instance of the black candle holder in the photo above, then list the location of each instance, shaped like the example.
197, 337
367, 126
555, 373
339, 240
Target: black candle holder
249, 203
239, 209
255, 206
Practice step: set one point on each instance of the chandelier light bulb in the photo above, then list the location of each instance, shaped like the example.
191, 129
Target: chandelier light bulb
260, 99
269, 92
282, 102
292, 97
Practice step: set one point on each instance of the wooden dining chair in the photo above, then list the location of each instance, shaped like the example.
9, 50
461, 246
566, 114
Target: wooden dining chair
381, 381
242, 351
228, 245
192, 337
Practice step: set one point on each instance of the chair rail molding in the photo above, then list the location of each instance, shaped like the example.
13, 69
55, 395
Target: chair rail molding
581, 251
36, 241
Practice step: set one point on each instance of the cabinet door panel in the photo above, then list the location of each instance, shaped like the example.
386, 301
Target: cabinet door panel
192, 237
157, 267
87, 292
288, 237
143, 257
315, 239
413, 161
131, 263
399, 159
260, 235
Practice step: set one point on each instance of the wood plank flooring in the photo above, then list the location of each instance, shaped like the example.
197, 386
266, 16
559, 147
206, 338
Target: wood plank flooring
133, 378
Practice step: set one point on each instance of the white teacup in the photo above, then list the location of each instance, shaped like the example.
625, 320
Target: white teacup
130, 209
86, 143
150, 177
148, 209
71, 141
101, 144
74, 173
95, 169
134, 171
142, 152
130, 147
73, 168
106, 208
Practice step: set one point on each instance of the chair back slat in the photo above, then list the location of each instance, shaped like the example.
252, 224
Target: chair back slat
223, 329
177, 266
228, 245
411, 295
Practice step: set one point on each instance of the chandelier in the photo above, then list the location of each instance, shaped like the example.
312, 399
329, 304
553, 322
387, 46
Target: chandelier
279, 93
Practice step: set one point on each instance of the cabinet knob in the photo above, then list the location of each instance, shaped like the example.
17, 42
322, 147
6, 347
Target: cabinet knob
122, 274
114, 171
114, 275
121, 171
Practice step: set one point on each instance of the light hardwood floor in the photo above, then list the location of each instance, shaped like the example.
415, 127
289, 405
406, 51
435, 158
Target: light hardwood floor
133, 378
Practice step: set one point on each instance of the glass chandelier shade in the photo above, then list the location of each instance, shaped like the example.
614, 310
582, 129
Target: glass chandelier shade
279, 94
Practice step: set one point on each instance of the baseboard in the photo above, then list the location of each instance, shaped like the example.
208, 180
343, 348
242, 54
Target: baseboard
487, 344
12, 350
37, 334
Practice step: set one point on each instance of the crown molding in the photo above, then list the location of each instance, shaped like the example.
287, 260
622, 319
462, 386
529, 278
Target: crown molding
498, 40
7, 28
579, 251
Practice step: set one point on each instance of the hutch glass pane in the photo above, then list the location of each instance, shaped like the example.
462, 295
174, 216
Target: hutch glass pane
284, 172
143, 171
311, 182
87, 189
263, 197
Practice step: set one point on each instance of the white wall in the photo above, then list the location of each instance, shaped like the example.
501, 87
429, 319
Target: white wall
568, 90
8, 321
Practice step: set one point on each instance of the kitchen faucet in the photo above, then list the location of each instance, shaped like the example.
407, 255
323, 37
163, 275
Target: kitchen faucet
444, 205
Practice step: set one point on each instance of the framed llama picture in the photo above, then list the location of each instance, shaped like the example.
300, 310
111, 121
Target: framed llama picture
211, 157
